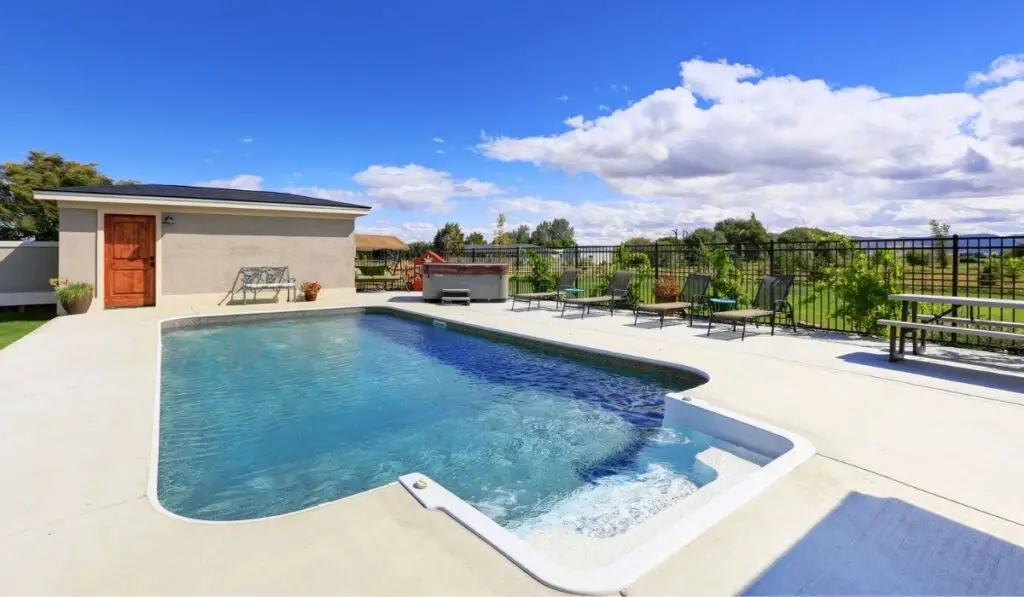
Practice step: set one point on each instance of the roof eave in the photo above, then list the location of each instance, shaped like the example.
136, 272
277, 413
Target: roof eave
73, 197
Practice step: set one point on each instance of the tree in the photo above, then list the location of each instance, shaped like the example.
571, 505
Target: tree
448, 240
23, 216
521, 235
418, 247
747, 236
556, 233
639, 240
703, 236
500, 236
475, 238
940, 232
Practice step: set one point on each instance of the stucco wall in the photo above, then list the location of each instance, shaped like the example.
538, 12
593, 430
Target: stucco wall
201, 253
78, 245
27, 266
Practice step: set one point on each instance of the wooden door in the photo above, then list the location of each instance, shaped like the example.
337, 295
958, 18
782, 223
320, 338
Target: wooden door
129, 260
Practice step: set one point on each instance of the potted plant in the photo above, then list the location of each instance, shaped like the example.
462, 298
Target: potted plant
666, 290
75, 297
311, 288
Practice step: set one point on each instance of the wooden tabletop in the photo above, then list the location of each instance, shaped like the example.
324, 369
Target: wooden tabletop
959, 300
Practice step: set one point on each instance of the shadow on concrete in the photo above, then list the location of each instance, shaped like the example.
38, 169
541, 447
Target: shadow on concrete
947, 371
884, 546
405, 299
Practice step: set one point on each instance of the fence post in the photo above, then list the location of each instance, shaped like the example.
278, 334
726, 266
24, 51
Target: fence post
657, 261
472, 255
576, 256
771, 258
956, 278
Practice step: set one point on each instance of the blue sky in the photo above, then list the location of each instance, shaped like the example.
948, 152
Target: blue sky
454, 110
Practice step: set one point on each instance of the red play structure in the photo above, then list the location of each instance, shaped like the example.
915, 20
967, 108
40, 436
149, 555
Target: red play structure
414, 273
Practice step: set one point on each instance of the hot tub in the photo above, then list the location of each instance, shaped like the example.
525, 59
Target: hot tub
485, 281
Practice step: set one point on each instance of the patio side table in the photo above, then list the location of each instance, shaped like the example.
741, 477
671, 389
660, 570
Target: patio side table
722, 304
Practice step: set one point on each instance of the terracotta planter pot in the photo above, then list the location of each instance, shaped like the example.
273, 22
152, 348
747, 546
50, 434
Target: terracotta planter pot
310, 297
78, 307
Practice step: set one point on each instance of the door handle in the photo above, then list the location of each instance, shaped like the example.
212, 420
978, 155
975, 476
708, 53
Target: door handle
152, 262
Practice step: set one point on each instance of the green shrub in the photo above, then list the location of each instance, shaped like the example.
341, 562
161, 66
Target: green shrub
726, 281
918, 257
541, 277
862, 289
73, 292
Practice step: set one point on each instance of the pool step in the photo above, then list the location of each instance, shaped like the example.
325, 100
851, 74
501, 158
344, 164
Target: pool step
455, 295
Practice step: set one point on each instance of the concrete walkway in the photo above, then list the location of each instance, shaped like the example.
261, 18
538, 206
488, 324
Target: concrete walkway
917, 488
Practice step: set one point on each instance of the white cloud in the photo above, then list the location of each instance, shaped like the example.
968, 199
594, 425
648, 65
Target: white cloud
603, 108
437, 140
245, 140
1005, 68
408, 231
439, 151
244, 182
729, 140
563, 98
415, 187
343, 195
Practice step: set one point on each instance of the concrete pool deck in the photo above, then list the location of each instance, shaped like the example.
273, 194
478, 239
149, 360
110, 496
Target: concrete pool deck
917, 486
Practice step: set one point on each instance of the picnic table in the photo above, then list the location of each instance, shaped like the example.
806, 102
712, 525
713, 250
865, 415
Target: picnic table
948, 321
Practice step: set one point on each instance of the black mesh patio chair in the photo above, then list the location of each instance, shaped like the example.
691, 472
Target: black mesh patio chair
617, 290
565, 281
769, 302
692, 298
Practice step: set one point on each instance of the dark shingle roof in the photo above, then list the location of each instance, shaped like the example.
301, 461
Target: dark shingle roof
173, 191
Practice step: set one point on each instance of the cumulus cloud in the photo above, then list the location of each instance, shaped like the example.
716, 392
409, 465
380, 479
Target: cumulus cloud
243, 182
563, 98
729, 140
408, 231
414, 187
437, 140
1004, 68
245, 140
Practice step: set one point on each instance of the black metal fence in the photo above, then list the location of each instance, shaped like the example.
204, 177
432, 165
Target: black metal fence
958, 266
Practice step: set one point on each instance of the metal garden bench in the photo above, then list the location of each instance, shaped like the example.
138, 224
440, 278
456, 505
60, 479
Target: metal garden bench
255, 279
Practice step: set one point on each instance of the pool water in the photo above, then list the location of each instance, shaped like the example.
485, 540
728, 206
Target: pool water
260, 419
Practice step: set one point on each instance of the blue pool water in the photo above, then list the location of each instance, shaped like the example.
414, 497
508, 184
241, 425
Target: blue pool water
261, 419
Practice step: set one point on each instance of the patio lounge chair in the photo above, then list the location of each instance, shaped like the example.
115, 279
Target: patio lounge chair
618, 289
693, 297
377, 276
566, 280
769, 302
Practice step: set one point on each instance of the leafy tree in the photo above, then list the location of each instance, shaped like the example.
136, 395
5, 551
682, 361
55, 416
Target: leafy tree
475, 238
21, 215
669, 240
940, 232
521, 235
500, 236
418, 247
703, 236
809, 249
556, 233
449, 240
639, 240
747, 236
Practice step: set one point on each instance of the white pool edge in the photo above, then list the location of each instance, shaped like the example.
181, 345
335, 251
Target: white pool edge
630, 567
620, 574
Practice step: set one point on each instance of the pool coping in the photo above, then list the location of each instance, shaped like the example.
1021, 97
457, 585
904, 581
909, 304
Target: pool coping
625, 570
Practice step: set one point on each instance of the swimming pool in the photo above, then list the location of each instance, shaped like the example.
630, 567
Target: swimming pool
574, 457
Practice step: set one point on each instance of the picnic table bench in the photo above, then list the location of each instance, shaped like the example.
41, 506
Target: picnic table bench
948, 321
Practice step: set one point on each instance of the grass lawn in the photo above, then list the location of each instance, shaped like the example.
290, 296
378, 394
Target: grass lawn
14, 325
